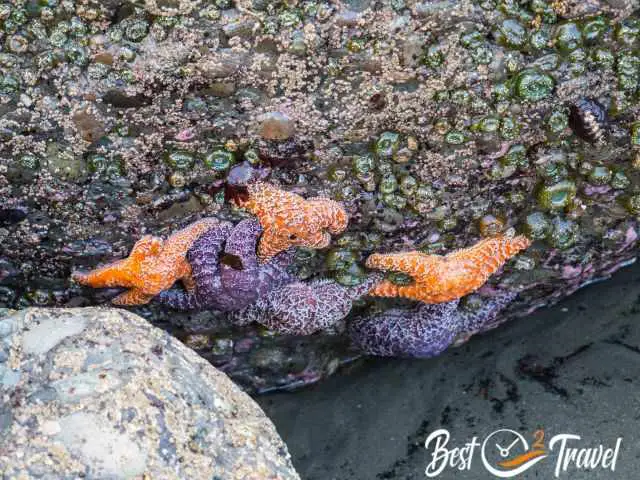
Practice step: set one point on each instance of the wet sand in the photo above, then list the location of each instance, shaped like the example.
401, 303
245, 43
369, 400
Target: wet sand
573, 368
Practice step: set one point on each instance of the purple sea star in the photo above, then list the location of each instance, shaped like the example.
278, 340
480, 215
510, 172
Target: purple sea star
232, 278
304, 308
425, 331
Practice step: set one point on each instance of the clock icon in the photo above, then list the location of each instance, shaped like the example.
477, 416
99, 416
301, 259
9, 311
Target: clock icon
506, 453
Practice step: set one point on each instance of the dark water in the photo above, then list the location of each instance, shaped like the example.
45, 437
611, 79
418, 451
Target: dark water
573, 368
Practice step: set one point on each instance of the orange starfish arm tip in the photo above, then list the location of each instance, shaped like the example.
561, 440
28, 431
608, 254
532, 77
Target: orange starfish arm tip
385, 288
403, 261
146, 246
116, 274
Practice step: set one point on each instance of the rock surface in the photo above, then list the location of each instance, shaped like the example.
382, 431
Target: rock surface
435, 122
98, 393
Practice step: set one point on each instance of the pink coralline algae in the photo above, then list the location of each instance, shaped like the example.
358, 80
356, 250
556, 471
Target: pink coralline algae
185, 135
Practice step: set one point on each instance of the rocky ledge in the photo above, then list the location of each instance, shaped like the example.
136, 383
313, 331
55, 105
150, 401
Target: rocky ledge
435, 122
99, 393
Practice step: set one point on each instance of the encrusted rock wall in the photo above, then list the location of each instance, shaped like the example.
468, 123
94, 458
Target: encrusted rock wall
435, 122
98, 393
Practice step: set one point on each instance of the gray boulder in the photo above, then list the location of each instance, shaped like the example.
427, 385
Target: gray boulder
99, 393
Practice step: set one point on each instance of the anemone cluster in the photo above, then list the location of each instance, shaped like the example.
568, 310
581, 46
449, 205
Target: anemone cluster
435, 123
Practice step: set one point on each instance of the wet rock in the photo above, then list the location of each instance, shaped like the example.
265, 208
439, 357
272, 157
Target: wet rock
347, 18
123, 100
276, 126
89, 125
9, 216
222, 65
284, 153
7, 270
121, 119
117, 398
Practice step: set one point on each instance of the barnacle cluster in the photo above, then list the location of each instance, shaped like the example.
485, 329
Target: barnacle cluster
435, 123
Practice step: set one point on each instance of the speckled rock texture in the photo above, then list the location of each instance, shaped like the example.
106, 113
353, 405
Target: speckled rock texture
97, 393
435, 122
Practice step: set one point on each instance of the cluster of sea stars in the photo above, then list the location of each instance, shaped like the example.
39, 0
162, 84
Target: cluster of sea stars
243, 270
229, 279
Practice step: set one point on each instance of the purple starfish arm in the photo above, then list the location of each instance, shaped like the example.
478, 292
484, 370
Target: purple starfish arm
274, 274
423, 332
238, 276
359, 291
477, 320
304, 308
203, 257
249, 280
301, 308
243, 241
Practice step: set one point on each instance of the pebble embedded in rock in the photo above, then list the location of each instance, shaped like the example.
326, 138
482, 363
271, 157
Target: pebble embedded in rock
276, 126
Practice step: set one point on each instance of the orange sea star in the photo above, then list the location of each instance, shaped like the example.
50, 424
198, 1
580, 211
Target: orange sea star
439, 278
289, 220
152, 266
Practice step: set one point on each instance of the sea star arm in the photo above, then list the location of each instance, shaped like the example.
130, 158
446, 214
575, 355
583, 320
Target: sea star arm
410, 263
274, 274
134, 296
147, 246
387, 288
304, 308
272, 242
423, 332
475, 320
179, 300
178, 243
332, 214
318, 240
115, 274
203, 256
487, 256
239, 268
121, 273
242, 242
290, 310
358, 291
